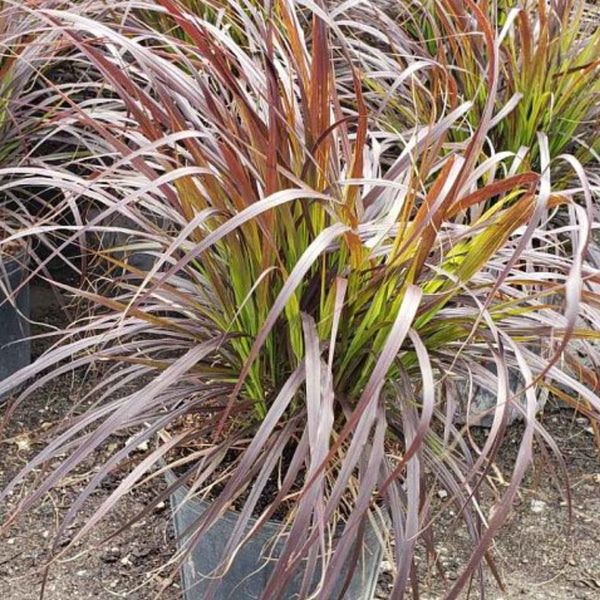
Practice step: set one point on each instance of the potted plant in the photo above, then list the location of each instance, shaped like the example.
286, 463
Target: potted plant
14, 310
323, 280
33, 87
24, 106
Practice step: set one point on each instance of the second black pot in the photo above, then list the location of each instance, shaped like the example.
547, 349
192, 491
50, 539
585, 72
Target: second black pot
15, 345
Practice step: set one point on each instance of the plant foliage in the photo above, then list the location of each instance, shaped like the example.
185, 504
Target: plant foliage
334, 251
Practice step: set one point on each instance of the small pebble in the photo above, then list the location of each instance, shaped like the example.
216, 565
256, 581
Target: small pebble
141, 552
23, 442
110, 556
385, 566
538, 506
141, 447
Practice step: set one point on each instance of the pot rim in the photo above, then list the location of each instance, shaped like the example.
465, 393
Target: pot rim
376, 517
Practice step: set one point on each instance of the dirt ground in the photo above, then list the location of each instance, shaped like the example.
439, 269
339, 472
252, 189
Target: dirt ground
537, 554
128, 566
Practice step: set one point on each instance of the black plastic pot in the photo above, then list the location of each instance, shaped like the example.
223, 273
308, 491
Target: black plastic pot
484, 401
15, 346
252, 566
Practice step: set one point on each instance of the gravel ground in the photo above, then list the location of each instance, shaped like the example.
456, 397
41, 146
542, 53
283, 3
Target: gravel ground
128, 566
540, 557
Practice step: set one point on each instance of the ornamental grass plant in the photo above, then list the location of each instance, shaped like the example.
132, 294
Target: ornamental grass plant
38, 74
344, 234
24, 110
549, 60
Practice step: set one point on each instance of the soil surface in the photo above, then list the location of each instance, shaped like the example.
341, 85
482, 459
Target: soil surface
131, 565
538, 555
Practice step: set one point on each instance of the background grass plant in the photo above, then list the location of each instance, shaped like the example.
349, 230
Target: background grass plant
548, 81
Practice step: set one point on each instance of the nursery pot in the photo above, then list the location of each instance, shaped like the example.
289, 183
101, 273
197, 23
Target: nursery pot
119, 243
484, 403
15, 346
247, 577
